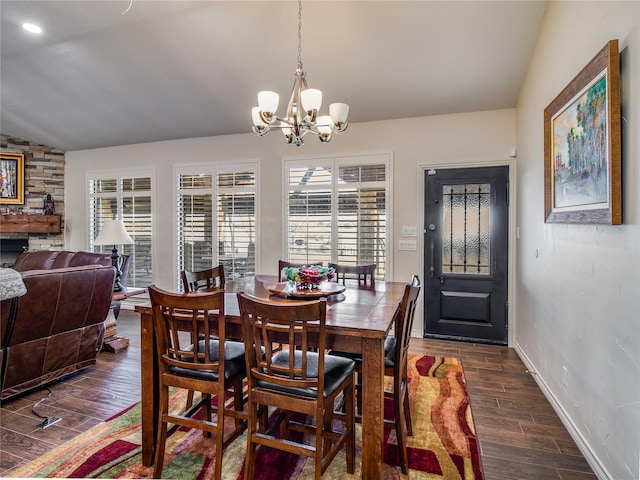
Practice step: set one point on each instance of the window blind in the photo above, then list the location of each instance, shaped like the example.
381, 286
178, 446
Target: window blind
127, 197
337, 211
216, 219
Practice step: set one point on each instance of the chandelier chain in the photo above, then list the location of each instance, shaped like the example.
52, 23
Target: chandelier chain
300, 34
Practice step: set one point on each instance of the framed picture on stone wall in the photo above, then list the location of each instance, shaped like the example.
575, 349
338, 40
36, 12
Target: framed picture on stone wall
11, 178
582, 146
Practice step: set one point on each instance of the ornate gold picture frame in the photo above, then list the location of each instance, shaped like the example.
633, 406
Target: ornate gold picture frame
11, 178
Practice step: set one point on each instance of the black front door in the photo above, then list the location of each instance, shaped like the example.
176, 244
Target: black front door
466, 260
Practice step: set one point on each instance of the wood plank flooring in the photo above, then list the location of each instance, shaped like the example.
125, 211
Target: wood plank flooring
521, 437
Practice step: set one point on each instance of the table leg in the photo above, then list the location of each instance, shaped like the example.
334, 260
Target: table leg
149, 379
372, 407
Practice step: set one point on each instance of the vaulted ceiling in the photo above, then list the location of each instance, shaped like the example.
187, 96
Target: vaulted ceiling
116, 72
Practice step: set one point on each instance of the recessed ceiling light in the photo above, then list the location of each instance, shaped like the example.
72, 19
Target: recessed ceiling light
31, 27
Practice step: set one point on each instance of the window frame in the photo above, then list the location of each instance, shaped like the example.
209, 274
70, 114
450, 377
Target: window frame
335, 162
119, 175
213, 169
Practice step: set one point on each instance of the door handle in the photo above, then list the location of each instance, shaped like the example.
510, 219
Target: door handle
432, 268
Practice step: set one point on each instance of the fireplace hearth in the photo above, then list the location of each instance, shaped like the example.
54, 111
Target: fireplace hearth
10, 249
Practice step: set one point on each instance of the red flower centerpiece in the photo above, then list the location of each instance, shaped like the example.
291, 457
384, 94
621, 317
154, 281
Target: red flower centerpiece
309, 277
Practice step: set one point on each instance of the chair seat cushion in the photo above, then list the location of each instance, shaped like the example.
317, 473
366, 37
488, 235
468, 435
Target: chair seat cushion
389, 353
234, 363
336, 370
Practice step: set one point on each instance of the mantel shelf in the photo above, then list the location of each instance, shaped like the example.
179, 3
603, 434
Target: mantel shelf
30, 224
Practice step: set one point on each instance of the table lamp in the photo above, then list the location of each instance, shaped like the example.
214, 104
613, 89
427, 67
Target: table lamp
114, 233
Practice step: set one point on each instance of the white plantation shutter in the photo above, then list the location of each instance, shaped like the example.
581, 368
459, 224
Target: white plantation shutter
216, 218
129, 197
237, 222
195, 221
337, 210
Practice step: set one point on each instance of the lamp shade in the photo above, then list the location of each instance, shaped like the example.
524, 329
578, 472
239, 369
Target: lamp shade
324, 124
268, 101
339, 112
311, 99
113, 233
255, 116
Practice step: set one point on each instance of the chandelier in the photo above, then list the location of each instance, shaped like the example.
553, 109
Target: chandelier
302, 111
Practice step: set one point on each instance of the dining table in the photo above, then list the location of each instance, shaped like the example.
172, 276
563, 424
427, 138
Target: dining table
358, 320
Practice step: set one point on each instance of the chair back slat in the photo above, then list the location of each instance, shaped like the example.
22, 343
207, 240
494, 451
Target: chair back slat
211, 278
266, 323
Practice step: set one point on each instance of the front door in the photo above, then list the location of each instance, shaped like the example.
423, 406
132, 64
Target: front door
466, 260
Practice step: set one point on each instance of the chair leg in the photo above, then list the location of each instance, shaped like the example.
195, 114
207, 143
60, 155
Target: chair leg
206, 412
359, 394
189, 399
321, 424
219, 436
401, 431
162, 433
250, 457
238, 400
351, 428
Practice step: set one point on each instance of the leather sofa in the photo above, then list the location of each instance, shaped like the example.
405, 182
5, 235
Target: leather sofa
57, 327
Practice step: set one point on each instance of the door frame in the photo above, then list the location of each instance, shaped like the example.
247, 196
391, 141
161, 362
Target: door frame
418, 328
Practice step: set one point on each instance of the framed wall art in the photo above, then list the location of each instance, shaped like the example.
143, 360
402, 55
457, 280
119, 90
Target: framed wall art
582, 150
11, 178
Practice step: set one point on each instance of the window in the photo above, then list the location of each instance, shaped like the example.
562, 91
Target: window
338, 210
129, 197
216, 218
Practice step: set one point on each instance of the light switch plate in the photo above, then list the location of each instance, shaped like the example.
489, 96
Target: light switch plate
409, 231
407, 245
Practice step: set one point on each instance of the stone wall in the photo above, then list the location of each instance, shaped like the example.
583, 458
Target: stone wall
43, 173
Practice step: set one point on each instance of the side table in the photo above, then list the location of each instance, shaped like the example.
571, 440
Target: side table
112, 342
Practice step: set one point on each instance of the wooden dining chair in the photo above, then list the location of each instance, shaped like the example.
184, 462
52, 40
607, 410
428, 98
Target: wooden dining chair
295, 380
363, 273
205, 279
396, 352
283, 264
208, 279
211, 365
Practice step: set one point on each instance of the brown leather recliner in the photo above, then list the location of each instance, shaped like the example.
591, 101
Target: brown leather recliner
57, 327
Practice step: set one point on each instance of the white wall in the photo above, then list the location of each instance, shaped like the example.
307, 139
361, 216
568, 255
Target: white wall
578, 299
447, 139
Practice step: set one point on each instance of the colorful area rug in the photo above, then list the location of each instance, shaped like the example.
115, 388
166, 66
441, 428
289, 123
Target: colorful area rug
444, 445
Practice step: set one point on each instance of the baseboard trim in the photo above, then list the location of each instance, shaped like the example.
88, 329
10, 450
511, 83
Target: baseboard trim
584, 447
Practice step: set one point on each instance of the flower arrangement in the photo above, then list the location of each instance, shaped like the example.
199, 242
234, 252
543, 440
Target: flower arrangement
309, 276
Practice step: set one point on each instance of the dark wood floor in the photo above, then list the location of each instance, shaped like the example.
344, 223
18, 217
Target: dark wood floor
520, 435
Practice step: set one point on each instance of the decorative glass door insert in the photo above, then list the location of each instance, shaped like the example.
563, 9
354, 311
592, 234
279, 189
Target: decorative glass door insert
465, 229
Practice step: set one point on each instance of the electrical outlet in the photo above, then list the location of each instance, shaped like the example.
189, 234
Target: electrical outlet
565, 377
407, 245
